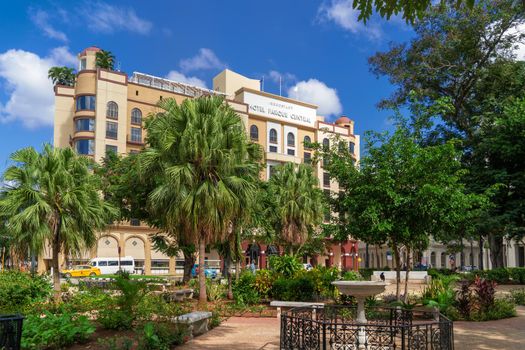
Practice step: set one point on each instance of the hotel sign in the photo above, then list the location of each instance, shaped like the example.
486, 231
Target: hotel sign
280, 110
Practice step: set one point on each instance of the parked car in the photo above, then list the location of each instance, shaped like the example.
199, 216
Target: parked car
81, 271
209, 273
109, 266
307, 266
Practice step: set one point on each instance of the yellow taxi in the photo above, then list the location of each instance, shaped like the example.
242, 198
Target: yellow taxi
80, 271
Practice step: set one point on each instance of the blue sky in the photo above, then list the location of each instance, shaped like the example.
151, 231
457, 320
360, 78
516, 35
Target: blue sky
318, 47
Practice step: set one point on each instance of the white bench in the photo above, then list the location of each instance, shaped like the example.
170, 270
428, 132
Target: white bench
413, 276
291, 304
197, 322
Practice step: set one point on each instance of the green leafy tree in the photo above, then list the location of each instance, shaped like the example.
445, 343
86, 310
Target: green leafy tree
53, 198
105, 59
466, 59
200, 153
298, 203
410, 10
62, 76
402, 195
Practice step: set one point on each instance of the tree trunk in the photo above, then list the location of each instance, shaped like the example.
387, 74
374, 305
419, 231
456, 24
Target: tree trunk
202, 277
227, 272
237, 269
408, 262
496, 251
56, 268
481, 267
189, 261
367, 257
397, 260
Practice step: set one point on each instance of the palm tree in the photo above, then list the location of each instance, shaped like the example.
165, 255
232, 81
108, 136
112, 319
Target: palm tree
53, 199
105, 59
61, 76
298, 202
203, 161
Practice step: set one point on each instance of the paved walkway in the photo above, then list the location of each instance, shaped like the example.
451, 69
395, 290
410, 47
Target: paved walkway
239, 333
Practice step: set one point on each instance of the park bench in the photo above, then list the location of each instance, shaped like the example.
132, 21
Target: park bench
291, 304
196, 321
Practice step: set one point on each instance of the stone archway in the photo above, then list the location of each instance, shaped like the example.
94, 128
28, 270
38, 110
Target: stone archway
136, 248
107, 247
253, 253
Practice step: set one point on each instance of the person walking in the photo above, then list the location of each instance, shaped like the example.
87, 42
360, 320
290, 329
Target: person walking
252, 267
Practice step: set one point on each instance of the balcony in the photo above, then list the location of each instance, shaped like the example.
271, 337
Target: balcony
285, 158
131, 141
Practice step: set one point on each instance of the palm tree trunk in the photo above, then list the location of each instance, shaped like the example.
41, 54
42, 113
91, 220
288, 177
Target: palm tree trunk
56, 269
202, 276
189, 261
237, 269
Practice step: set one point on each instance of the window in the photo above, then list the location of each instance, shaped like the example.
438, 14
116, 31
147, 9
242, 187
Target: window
126, 263
290, 139
111, 149
134, 222
326, 179
136, 116
291, 152
136, 135
307, 141
307, 158
82, 64
273, 149
351, 147
326, 143
112, 110
85, 124
111, 130
113, 263
85, 146
254, 133
102, 263
160, 263
273, 136
86, 102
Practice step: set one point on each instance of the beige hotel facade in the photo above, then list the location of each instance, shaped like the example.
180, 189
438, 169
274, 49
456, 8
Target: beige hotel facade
104, 111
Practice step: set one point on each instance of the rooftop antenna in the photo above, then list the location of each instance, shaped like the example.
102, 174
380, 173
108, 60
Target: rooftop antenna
118, 66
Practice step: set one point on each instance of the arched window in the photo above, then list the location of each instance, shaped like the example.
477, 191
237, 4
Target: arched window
326, 143
290, 139
307, 141
351, 147
112, 110
254, 133
432, 259
273, 136
136, 116
443, 260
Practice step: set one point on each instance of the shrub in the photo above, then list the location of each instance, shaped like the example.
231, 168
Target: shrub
485, 291
115, 343
518, 295
114, 318
517, 274
91, 299
286, 265
300, 288
500, 275
155, 305
160, 336
54, 331
352, 276
322, 277
464, 299
366, 273
501, 308
18, 290
263, 282
214, 290
244, 291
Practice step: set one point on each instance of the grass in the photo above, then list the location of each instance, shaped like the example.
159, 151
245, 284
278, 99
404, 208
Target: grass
133, 276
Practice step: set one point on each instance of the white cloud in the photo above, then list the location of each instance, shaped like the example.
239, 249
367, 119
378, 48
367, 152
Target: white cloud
41, 19
62, 54
106, 18
24, 78
205, 59
519, 30
180, 77
284, 77
342, 13
317, 93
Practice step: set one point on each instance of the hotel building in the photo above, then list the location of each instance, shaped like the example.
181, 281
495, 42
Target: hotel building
104, 111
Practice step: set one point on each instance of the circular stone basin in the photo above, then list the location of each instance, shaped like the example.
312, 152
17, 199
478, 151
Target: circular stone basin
360, 288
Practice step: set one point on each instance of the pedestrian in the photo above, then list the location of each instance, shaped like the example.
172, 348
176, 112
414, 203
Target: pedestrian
252, 267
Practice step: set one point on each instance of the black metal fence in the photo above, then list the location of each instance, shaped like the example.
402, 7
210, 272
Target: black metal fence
336, 327
10, 332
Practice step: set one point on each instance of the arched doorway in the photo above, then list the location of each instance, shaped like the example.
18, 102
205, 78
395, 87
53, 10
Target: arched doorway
252, 254
443, 260
135, 247
107, 247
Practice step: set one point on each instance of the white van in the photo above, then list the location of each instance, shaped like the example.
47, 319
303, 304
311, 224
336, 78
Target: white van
110, 266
